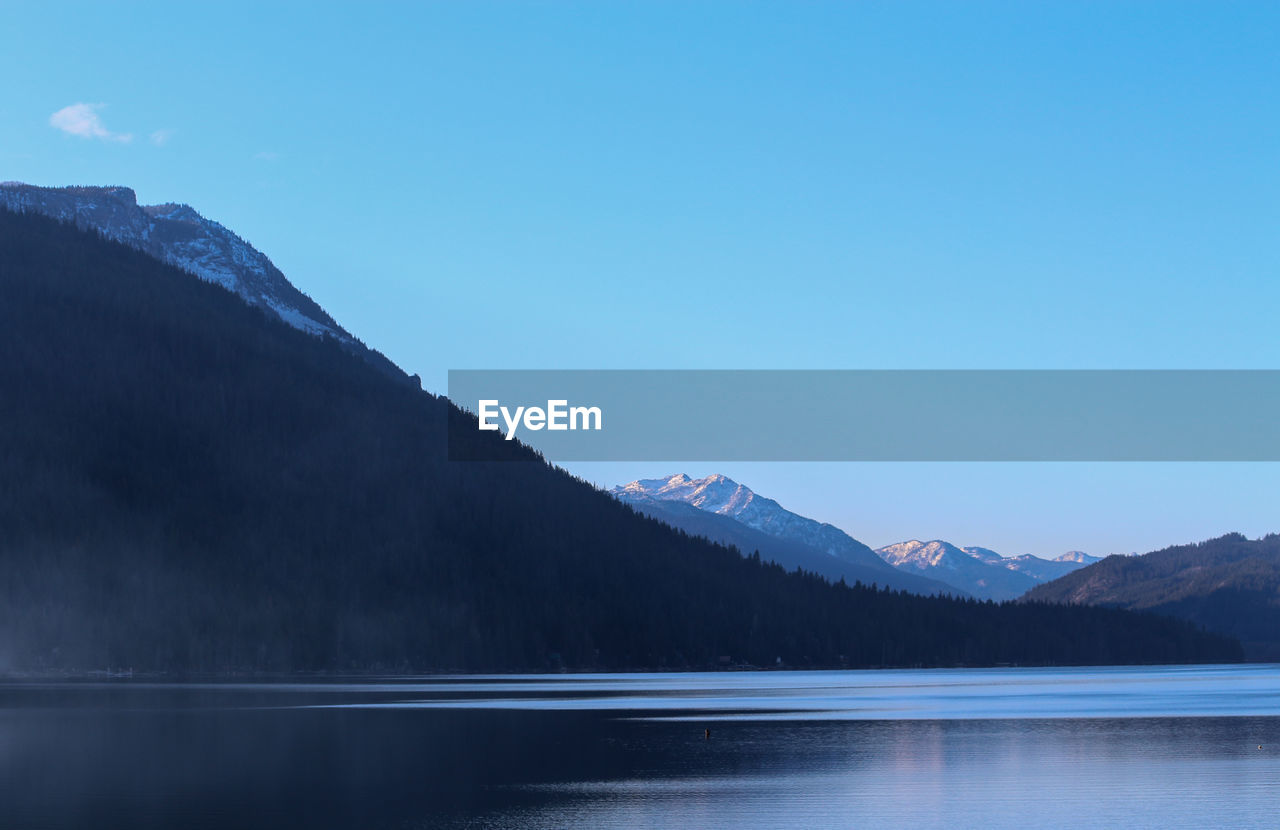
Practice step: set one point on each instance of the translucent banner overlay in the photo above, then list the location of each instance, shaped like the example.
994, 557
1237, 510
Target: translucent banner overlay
855, 415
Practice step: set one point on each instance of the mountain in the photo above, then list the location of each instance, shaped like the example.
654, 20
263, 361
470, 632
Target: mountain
1040, 570
724, 496
1229, 585
978, 571
971, 571
788, 553
955, 566
188, 484
1078, 556
180, 236
1045, 570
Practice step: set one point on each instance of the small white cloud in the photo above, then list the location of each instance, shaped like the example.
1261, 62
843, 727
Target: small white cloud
265, 156
161, 137
83, 120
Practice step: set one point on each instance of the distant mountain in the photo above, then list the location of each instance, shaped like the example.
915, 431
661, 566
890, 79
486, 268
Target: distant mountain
1230, 585
980, 571
724, 496
955, 566
788, 553
1045, 570
1041, 570
1078, 556
780, 535
971, 571
190, 485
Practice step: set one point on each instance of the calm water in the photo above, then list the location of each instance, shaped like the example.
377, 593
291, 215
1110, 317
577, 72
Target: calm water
1138, 747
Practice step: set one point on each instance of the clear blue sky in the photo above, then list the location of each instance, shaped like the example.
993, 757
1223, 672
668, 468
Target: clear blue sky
730, 185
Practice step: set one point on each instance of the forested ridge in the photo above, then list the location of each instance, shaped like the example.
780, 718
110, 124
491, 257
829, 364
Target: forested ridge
189, 485
1230, 585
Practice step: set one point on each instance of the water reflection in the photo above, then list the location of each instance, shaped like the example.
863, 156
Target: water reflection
1001, 749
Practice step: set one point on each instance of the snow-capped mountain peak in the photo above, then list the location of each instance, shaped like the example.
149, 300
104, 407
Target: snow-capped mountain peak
980, 571
179, 235
922, 555
722, 495
1077, 556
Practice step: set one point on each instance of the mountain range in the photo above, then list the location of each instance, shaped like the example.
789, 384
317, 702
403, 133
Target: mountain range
980, 571
731, 513
724, 511
191, 481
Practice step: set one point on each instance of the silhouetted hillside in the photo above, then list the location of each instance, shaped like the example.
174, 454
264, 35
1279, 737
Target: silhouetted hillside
1229, 585
189, 484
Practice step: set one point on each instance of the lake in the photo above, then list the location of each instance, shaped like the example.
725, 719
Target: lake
1147, 747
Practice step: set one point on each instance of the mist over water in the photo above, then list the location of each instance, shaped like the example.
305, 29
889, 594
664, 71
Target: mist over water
1128, 747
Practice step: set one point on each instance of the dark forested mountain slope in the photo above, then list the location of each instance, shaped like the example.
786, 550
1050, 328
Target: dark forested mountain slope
1230, 585
188, 483
179, 236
